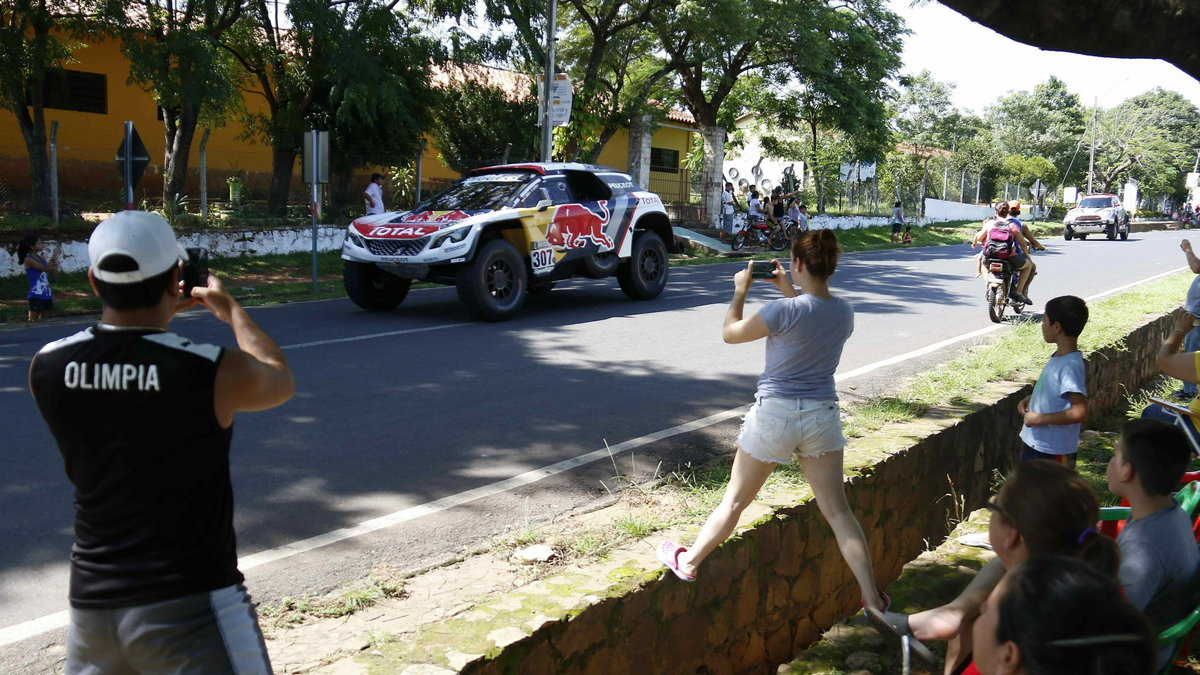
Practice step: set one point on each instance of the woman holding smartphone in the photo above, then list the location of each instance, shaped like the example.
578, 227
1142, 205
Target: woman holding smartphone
795, 416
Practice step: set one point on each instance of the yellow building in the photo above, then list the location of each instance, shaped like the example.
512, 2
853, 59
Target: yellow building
91, 99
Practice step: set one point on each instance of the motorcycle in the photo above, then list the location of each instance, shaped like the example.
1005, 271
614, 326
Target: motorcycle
1001, 280
763, 232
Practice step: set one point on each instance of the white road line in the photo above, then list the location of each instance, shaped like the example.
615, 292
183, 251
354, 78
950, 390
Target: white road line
28, 629
372, 336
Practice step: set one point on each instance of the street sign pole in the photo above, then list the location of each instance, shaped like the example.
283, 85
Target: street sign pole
316, 172
128, 165
547, 127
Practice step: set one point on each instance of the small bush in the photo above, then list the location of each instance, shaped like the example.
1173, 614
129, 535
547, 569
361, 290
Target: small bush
188, 221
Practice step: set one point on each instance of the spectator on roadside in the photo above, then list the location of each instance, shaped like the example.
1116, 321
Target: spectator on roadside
1191, 342
143, 419
1159, 557
795, 416
1054, 413
373, 195
802, 223
897, 220
907, 235
727, 202
38, 271
1054, 614
1184, 366
1042, 508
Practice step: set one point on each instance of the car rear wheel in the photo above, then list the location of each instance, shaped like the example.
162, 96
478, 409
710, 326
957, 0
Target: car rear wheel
644, 275
493, 285
371, 288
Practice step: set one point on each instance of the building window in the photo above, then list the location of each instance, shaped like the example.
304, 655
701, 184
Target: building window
75, 90
664, 159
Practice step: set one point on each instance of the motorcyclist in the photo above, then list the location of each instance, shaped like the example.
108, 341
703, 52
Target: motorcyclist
1014, 212
1019, 260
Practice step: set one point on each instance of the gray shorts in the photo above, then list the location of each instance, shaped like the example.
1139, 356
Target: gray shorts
215, 632
776, 429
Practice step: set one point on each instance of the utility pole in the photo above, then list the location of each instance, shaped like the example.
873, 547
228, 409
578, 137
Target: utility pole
547, 129
1092, 154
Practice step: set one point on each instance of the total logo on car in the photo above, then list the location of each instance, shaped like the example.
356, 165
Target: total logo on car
1095, 214
506, 231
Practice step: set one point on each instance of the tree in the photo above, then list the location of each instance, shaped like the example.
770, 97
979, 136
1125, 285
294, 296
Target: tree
1151, 137
840, 54
174, 52
609, 53
356, 68
32, 47
1098, 27
1047, 122
477, 123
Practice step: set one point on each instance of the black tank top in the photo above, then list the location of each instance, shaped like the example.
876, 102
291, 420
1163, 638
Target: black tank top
132, 411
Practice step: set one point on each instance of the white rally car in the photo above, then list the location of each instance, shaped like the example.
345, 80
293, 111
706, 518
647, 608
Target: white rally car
1100, 213
505, 231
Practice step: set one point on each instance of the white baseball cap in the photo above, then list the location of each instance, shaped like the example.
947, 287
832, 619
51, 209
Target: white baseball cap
145, 238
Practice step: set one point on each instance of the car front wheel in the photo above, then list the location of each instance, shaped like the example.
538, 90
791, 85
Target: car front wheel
1067, 232
493, 285
372, 288
644, 275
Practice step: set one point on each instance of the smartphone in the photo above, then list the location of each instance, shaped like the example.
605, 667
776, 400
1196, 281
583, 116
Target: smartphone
195, 270
762, 269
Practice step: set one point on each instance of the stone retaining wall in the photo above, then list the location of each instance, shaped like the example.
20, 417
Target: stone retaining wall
772, 590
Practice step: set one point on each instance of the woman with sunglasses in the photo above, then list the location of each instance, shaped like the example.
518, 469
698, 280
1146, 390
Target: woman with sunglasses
1043, 508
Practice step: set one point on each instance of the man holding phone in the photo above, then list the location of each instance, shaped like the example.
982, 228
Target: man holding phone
143, 419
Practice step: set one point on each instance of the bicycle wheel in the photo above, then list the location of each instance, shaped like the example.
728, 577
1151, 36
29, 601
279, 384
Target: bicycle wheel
739, 240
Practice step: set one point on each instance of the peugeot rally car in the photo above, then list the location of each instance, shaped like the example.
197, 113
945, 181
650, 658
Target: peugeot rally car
505, 231
1095, 214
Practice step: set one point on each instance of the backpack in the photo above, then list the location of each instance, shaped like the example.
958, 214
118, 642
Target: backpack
1000, 242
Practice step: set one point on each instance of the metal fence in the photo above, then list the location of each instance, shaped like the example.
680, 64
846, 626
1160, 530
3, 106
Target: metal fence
682, 193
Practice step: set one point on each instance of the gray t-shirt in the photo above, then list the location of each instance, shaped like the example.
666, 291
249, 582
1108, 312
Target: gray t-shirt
804, 346
1158, 557
1062, 376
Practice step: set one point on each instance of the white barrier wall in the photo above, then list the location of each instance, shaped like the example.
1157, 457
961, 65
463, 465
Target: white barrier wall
937, 210
74, 256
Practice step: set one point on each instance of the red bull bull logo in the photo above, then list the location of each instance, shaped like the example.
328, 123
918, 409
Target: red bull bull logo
576, 226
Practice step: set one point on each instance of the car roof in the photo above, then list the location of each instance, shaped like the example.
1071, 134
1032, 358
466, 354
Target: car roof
1098, 194
544, 168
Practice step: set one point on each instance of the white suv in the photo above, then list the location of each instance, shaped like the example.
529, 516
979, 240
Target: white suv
1094, 214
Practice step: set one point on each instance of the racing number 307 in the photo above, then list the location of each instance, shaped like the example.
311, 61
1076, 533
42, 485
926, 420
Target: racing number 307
542, 260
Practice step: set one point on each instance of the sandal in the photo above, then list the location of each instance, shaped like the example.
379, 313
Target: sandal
668, 554
893, 626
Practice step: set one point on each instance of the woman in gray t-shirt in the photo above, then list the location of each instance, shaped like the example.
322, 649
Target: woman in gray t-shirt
795, 414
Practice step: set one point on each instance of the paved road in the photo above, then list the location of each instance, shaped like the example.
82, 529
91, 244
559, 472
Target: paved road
398, 409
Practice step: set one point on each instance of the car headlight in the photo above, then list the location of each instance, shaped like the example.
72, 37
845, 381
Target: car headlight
356, 240
451, 237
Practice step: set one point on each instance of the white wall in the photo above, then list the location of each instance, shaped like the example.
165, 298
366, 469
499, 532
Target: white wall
74, 256
937, 210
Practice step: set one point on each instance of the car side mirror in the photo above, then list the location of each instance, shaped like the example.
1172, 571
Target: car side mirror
544, 204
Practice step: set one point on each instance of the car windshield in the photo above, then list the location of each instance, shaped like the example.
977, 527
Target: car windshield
478, 193
1096, 203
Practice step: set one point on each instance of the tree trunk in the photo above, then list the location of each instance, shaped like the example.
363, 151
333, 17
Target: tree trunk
282, 161
714, 162
34, 135
179, 128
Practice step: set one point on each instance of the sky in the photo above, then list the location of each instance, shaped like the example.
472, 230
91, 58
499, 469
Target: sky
984, 64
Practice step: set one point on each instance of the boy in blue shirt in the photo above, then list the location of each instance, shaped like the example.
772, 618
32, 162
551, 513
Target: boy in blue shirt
1057, 409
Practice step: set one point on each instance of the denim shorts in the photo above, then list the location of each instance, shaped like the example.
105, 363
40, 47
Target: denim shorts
776, 429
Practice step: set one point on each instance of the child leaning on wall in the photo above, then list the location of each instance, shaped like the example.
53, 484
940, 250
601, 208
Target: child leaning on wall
1056, 410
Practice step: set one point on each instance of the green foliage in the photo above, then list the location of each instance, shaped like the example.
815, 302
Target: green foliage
1047, 122
477, 123
1153, 138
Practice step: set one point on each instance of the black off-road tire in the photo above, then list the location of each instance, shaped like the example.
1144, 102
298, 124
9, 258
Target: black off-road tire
644, 275
601, 265
371, 288
1111, 232
493, 285
1067, 232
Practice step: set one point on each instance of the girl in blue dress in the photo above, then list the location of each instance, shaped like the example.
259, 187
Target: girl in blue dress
38, 269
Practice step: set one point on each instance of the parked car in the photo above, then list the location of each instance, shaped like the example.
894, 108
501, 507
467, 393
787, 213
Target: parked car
1096, 213
506, 231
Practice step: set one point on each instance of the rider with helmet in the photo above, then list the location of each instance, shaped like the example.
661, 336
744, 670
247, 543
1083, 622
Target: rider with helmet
1017, 254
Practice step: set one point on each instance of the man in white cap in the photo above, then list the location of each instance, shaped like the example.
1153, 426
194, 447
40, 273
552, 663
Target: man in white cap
143, 419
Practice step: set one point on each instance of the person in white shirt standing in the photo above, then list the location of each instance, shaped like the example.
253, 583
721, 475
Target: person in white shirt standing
727, 209
373, 195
